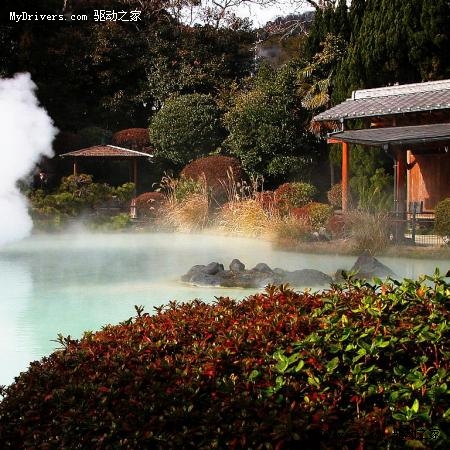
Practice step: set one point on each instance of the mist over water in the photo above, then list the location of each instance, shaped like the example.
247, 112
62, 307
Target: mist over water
27, 134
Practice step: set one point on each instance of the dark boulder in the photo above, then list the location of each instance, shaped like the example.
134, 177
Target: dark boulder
307, 277
237, 266
261, 275
367, 267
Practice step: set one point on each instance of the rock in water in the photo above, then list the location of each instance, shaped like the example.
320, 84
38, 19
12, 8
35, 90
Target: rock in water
307, 277
368, 267
261, 275
237, 266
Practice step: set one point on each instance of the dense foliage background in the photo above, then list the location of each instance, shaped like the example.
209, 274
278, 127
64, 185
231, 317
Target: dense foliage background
115, 75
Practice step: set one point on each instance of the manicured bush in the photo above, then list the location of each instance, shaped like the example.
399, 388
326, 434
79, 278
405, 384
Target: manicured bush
294, 195
148, 204
442, 218
335, 196
315, 214
219, 172
186, 127
344, 368
133, 138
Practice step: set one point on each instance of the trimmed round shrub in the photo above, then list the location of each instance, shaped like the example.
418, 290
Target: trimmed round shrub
294, 195
335, 195
186, 127
442, 218
148, 204
223, 174
133, 138
315, 214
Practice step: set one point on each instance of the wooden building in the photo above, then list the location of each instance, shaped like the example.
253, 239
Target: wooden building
412, 123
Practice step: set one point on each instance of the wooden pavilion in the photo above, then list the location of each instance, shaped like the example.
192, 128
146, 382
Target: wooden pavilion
412, 123
110, 152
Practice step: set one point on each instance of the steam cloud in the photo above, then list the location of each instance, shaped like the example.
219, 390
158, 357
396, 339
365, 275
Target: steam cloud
26, 133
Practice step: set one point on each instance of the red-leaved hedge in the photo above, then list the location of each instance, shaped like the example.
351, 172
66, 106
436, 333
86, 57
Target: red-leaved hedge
278, 370
219, 171
133, 138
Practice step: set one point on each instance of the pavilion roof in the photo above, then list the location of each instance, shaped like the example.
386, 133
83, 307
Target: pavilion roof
391, 100
410, 135
106, 151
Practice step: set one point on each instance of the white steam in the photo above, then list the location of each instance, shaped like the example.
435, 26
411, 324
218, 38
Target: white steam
26, 133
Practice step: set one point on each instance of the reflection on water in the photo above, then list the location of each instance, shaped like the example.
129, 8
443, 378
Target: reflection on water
71, 283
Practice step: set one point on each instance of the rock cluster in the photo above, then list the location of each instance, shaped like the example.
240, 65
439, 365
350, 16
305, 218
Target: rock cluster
214, 274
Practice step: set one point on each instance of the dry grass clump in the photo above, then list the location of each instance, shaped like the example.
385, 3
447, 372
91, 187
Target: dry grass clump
187, 204
245, 217
288, 231
369, 232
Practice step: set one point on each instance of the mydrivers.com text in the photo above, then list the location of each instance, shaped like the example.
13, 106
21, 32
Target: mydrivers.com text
98, 15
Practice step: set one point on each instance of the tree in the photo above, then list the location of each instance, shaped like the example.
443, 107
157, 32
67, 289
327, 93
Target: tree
267, 127
186, 127
395, 41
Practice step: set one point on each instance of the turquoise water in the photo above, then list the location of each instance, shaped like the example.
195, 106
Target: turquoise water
71, 283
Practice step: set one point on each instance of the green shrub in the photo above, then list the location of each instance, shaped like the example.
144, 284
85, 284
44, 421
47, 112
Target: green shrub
294, 195
279, 369
335, 196
315, 214
186, 127
76, 195
442, 218
375, 370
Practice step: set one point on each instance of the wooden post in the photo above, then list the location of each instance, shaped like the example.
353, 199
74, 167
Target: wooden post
345, 191
75, 167
401, 181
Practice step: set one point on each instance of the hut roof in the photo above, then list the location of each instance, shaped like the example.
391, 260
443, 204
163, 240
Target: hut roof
391, 100
410, 135
106, 151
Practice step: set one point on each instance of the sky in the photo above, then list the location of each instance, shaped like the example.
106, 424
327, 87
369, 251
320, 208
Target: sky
261, 15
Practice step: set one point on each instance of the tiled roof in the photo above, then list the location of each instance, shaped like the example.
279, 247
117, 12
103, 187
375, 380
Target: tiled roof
106, 151
391, 100
410, 135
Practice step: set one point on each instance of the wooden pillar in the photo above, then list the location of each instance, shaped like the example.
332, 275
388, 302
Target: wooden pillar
400, 187
345, 176
75, 167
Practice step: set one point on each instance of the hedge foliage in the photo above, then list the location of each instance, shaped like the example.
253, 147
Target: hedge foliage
219, 172
345, 368
294, 195
442, 218
133, 138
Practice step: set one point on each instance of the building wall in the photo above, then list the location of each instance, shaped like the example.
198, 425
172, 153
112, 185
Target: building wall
428, 178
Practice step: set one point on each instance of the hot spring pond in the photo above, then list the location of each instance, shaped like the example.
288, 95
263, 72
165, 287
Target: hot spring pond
76, 282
